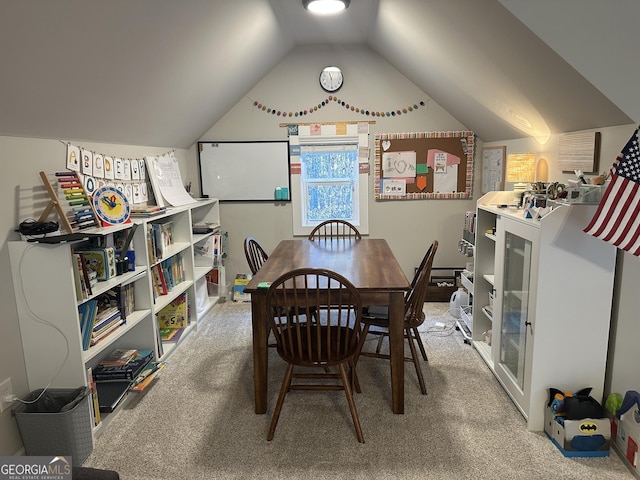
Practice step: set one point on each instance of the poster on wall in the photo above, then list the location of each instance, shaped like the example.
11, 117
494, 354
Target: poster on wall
424, 165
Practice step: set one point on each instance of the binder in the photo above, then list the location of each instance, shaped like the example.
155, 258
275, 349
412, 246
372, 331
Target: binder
110, 394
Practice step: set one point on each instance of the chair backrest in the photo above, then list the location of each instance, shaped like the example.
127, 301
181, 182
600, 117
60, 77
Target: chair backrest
414, 301
421, 266
255, 254
315, 316
334, 229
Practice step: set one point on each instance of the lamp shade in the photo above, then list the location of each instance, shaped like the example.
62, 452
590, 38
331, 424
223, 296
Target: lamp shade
325, 7
521, 167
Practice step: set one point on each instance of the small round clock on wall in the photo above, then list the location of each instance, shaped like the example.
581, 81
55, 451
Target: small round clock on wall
111, 206
331, 79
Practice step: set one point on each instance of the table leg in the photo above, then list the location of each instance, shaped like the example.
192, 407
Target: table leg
396, 347
260, 363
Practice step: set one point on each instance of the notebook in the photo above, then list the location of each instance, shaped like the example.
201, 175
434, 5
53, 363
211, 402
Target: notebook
110, 394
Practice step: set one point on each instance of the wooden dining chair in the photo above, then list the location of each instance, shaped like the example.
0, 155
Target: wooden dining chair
376, 322
256, 256
330, 339
334, 229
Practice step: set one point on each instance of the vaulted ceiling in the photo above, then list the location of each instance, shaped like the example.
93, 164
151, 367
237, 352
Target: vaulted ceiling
163, 72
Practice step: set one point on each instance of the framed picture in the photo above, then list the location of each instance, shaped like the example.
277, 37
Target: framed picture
493, 167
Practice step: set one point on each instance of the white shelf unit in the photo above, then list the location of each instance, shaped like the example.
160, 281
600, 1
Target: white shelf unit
43, 277
559, 337
466, 246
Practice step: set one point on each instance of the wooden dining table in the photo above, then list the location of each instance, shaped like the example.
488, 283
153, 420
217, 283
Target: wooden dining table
372, 268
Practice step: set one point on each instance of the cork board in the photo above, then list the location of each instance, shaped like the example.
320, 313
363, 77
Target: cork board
424, 165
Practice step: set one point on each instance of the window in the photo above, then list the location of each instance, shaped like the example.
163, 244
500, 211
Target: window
329, 175
329, 183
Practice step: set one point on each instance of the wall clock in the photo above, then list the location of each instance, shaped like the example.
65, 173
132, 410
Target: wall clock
331, 79
111, 206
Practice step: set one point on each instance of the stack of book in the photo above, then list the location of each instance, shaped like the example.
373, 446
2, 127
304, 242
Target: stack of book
146, 210
100, 317
122, 365
116, 373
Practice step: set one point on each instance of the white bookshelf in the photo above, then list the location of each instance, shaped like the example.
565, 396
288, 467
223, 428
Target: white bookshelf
43, 277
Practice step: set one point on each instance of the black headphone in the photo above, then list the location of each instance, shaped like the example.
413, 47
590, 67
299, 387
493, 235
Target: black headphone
32, 227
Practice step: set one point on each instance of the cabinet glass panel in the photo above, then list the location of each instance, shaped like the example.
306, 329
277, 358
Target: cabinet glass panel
515, 305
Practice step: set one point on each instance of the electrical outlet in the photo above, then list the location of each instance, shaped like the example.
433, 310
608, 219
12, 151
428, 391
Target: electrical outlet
6, 389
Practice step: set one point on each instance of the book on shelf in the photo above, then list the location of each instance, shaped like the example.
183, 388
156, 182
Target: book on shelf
173, 271
121, 297
101, 260
105, 318
175, 314
147, 376
151, 244
111, 394
167, 333
96, 338
161, 234
95, 404
175, 336
146, 210
159, 282
128, 371
87, 312
119, 356
81, 277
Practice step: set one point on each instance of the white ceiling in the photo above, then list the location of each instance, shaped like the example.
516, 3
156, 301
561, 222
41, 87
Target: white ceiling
163, 72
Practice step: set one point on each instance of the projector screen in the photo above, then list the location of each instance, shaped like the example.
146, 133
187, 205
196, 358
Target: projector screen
245, 171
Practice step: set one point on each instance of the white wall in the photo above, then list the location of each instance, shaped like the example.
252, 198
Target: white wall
370, 82
22, 196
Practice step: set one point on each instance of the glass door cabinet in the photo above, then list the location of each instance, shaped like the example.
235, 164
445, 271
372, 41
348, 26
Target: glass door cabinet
515, 278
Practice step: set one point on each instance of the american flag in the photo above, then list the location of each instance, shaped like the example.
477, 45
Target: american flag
617, 219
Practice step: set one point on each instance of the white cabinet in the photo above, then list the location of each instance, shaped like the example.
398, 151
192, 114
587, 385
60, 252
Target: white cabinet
47, 303
552, 286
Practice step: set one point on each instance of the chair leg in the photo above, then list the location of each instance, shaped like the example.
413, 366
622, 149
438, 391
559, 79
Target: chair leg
363, 336
416, 363
420, 344
352, 404
286, 383
380, 339
353, 375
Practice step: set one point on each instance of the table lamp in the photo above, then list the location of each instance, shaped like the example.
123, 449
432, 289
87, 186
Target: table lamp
521, 170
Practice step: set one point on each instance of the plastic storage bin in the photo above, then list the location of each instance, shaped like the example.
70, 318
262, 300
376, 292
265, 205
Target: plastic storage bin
59, 423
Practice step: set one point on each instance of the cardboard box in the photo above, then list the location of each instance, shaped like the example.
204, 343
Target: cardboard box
627, 436
588, 437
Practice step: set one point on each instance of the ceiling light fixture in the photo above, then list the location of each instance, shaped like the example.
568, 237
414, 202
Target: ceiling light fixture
325, 7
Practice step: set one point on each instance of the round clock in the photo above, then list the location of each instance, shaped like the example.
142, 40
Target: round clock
111, 206
331, 79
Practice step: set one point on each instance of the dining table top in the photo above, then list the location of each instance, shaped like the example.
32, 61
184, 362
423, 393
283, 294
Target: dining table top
368, 263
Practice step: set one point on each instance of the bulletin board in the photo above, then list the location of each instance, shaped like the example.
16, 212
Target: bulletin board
255, 171
424, 165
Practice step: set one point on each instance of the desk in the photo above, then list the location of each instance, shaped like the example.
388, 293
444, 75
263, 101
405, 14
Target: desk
372, 268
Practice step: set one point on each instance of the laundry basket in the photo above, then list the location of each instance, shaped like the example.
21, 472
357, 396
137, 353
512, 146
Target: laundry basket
58, 423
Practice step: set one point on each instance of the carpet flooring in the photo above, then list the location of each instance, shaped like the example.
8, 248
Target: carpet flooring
197, 421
